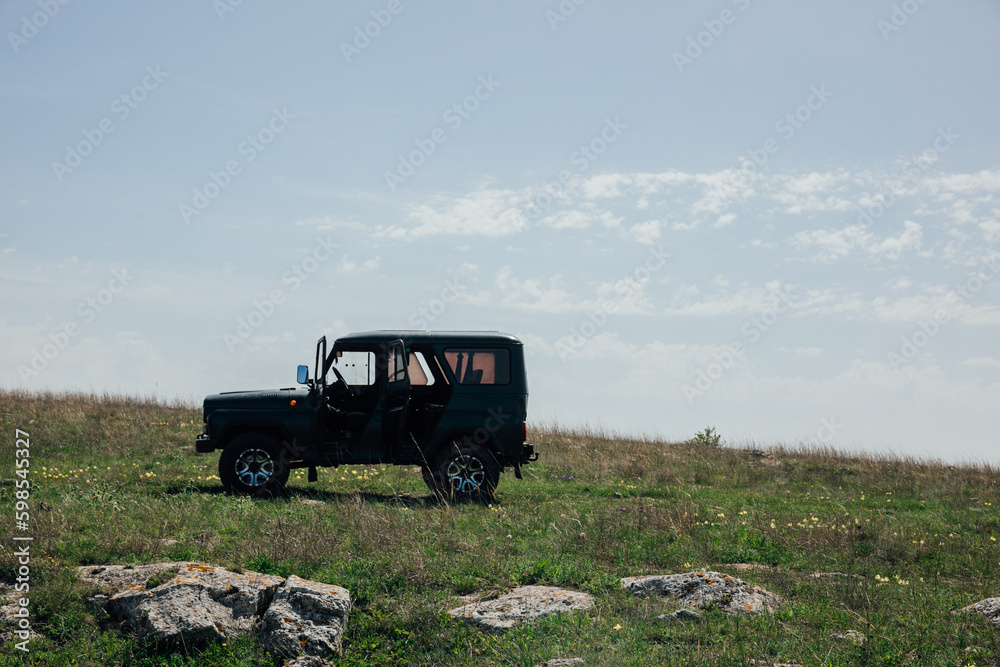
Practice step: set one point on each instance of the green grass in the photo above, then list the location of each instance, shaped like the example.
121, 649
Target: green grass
116, 480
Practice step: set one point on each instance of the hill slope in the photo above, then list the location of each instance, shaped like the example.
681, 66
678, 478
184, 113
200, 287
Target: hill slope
116, 480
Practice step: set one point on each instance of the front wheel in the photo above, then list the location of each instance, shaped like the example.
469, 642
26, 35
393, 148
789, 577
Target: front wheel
254, 464
464, 471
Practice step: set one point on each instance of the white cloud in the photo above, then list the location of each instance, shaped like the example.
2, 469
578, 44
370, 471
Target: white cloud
353, 266
489, 212
604, 186
724, 220
749, 300
893, 248
532, 295
838, 243
991, 230
983, 361
722, 189
800, 351
986, 180
645, 232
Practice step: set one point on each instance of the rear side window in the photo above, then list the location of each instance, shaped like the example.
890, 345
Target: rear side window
420, 373
479, 366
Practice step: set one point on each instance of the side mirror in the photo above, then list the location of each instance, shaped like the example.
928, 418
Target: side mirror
302, 376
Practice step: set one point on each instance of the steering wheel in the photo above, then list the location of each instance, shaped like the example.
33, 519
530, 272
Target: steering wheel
342, 382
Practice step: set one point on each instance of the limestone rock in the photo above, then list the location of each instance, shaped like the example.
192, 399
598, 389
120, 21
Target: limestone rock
306, 617
852, 636
196, 603
765, 459
309, 661
562, 662
706, 590
9, 623
681, 615
522, 605
119, 577
989, 608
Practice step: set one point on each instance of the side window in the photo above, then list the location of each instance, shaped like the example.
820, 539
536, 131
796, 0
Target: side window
420, 373
396, 368
479, 366
357, 367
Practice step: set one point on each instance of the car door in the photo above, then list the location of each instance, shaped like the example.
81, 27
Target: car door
396, 399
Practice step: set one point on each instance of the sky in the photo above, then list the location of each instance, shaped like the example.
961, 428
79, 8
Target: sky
780, 220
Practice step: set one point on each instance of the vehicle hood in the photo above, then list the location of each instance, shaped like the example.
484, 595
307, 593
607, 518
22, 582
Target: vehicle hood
265, 399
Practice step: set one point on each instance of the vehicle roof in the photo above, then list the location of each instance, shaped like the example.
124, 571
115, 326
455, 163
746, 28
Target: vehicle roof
421, 336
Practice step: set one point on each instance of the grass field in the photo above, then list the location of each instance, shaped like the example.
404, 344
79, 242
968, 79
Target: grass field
116, 480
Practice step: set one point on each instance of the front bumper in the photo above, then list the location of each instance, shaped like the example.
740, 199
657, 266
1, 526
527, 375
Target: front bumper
204, 444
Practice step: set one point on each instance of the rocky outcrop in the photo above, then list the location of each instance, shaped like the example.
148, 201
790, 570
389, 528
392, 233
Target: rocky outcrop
562, 662
306, 617
988, 608
522, 605
706, 590
195, 603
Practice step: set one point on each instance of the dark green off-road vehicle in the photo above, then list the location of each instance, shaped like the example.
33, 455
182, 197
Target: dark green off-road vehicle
453, 403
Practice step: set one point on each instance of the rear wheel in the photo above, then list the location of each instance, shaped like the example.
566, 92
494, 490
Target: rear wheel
463, 471
254, 464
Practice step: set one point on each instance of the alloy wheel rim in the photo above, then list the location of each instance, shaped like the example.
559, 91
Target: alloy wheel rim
254, 467
466, 474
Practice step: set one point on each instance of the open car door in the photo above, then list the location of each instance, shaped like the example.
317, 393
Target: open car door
396, 399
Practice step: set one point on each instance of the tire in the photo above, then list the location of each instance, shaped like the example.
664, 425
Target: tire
254, 464
463, 471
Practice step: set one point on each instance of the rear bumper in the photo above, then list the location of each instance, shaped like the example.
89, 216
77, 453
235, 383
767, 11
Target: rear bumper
204, 444
528, 454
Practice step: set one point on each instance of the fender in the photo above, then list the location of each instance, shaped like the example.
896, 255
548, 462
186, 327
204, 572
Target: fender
490, 442
290, 426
